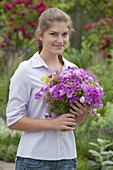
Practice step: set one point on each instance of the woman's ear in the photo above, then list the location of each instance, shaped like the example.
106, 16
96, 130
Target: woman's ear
39, 35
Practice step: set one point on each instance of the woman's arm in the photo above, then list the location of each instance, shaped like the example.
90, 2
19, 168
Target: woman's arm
62, 122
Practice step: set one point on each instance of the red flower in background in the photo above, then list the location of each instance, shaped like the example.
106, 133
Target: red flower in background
108, 56
40, 7
106, 38
100, 35
88, 26
31, 24
23, 13
103, 47
20, 22
109, 20
7, 6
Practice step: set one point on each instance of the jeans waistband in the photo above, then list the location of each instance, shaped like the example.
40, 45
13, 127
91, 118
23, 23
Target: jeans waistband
19, 158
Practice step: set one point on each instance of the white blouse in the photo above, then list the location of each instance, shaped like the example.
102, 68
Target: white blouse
43, 145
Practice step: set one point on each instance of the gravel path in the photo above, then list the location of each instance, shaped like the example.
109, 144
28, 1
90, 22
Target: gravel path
7, 166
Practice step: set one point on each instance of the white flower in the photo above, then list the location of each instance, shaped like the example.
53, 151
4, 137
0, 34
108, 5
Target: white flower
91, 79
97, 115
82, 99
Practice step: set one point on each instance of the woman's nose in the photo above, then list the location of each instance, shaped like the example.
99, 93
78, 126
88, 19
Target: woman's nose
60, 39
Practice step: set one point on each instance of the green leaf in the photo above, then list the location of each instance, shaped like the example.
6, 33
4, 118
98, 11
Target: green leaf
96, 154
107, 163
94, 144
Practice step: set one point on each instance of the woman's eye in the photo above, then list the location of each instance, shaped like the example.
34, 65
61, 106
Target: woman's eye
65, 34
53, 34
56, 34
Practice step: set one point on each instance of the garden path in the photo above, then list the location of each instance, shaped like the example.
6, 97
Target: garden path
7, 166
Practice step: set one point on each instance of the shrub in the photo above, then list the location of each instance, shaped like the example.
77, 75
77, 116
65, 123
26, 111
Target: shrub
9, 140
104, 74
82, 163
5, 75
11, 153
19, 20
3, 149
104, 41
105, 122
81, 58
82, 146
101, 156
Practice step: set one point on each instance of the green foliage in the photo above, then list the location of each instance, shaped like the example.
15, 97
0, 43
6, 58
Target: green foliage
8, 136
3, 149
11, 153
105, 122
7, 72
82, 163
97, 128
8, 152
101, 156
104, 74
9, 140
2, 98
94, 129
82, 146
63, 4
81, 58
81, 139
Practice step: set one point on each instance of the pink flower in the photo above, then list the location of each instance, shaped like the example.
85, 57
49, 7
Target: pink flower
31, 24
40, 7
106, 38
109, 20
88, 26
7, 6
23, 13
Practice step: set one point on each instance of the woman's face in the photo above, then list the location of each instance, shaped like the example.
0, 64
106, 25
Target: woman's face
55, 38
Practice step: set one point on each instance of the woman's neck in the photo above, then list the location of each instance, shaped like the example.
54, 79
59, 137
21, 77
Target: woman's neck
53, 62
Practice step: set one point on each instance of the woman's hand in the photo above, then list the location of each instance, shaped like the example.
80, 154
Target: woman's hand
80, 112
64, 122
68, 121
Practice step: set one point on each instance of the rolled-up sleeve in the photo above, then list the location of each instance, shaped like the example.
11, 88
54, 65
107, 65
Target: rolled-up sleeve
19, 92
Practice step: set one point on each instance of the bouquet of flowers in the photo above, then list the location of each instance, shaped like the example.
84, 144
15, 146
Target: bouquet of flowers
74, 84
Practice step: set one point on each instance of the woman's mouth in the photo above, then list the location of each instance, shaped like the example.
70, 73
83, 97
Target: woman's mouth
59, 46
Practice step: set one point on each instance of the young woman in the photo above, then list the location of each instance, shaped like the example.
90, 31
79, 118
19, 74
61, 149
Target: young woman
46, 144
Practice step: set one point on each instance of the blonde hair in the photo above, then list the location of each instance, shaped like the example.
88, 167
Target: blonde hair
47, 18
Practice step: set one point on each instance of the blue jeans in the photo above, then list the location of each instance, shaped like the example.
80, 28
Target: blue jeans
34, 164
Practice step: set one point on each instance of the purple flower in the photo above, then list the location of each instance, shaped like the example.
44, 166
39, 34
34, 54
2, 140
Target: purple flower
97, 115
37, 95
75, 84
50, 76
20, 52
62, 92
48, 116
